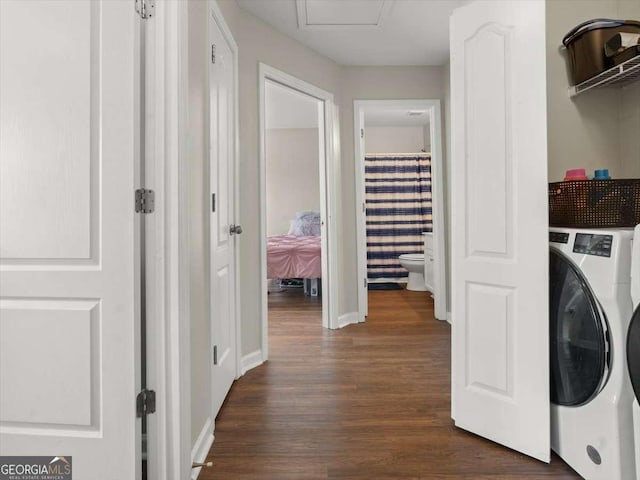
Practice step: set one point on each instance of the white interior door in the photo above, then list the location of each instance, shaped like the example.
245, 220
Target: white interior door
223, 236
363, 289
69, 348
500, 248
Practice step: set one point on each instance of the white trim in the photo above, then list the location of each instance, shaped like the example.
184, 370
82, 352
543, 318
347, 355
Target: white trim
437, 162
301, 9
201, 448
168, 338
349, 318
250, 361
328, 185
449, 318
222, 24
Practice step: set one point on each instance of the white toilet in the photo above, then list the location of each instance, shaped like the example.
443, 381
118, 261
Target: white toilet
414, 262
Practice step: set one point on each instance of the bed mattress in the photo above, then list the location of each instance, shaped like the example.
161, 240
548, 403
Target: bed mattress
289, 256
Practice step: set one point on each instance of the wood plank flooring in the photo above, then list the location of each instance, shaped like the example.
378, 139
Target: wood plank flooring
369, 401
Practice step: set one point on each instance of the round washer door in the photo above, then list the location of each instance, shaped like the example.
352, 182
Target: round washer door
633, 352
578, 335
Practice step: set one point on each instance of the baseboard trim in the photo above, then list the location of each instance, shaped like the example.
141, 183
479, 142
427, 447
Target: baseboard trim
252, 360
201, 448
349, 318
449, 317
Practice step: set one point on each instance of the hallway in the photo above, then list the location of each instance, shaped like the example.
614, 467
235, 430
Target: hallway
365, 402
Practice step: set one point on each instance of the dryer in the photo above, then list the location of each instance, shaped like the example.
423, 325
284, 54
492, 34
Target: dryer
633, 341
590, 313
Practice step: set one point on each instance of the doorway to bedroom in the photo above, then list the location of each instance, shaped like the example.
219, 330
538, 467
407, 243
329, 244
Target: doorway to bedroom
296, 155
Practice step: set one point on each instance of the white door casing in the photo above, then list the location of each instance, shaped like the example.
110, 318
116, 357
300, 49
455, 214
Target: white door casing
69, 318
500, 372
329, 150
222, 164
439, 265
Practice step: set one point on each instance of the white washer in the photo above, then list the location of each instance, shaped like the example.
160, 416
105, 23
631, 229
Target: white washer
590, 312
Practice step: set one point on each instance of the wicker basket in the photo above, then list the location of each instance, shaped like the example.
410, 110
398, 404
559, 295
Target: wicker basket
595, 203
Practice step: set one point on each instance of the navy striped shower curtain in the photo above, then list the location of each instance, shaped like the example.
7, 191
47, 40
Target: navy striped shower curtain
398, 210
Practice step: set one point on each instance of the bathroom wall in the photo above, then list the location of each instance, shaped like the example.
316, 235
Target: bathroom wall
394, 139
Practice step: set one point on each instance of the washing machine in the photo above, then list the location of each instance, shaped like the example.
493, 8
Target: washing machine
633, 341
590, 312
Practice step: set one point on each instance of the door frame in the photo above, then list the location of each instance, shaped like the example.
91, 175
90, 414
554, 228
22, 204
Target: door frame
167, 241
328, 186
432, 106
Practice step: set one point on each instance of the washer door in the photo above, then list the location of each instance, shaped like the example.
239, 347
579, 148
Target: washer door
578, 335
633, 351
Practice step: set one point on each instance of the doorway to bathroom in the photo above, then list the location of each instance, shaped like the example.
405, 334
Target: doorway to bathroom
399, 199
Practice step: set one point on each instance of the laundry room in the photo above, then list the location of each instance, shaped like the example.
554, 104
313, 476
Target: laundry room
593, 120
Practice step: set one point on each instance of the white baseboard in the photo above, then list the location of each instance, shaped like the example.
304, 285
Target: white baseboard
252, 360
348, 318
201, 448
449, 317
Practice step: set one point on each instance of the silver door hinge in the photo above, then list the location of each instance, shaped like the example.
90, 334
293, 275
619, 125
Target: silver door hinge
365, 283
145, 200
213, 53
145, 403
364, 207
215, 354
362, 133
145, 8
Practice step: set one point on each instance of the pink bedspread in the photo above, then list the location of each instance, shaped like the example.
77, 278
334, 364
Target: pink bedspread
289, 256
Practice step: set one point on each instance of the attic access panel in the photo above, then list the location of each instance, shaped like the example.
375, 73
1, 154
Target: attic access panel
349, 14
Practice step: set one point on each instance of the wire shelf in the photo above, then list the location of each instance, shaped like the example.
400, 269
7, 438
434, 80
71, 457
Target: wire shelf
619, 75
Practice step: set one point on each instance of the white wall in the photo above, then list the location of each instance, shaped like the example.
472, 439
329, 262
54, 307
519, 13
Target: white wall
597, 129
293, 177
198, 170
394, 139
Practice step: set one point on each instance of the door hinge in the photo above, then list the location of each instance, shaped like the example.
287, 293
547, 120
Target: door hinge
145, 403
213, 202
362, 133
213, 53
365, 282
145, 200
215, 354
364, 207
145, 8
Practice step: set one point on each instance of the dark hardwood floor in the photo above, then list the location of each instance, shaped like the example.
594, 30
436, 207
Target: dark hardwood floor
368, 401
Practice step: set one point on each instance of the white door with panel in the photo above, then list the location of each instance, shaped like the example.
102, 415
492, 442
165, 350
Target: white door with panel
223, 230
68, 315
500, 372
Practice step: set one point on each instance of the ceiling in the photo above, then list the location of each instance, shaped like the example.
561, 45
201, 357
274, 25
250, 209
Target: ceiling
364, 32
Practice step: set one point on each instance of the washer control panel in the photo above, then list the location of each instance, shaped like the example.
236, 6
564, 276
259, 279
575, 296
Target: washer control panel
558, 237
592, 244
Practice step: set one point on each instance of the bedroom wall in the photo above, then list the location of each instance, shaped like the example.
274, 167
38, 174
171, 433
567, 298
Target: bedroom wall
372, 83
394, 139
293, 179
259, 42
597, 129
198, 171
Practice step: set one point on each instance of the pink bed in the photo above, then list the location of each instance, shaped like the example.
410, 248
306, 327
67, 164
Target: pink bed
289, 256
